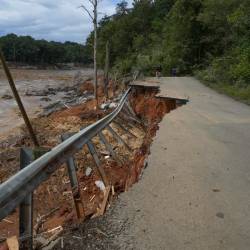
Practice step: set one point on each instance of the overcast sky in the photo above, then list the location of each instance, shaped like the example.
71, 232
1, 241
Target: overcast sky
57, 20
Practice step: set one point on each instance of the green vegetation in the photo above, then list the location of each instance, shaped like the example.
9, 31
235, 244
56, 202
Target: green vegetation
27, 49
206, 38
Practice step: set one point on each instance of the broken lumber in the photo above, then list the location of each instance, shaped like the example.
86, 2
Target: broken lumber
37, 226
104, 204
12, 243
53, 237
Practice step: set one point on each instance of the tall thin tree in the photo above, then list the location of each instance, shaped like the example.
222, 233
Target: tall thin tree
94, 19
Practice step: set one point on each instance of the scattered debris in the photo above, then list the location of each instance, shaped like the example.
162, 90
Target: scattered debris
7, 97
8, 221
100, 184
88, 171
38, 225
220, 215
46, 99
105, 153
66, 102
215, 190
53, 237
105, 105
56, 228
113, 105
92, 198
67, 192
97, 230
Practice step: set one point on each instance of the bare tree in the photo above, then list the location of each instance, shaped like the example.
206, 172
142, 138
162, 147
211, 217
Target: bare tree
106, 70
94, 18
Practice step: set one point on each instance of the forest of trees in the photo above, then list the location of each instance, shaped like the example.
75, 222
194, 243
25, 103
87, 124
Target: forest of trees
206, 38
27, 49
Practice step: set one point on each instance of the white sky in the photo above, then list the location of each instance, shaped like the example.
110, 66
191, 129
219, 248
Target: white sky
57, 20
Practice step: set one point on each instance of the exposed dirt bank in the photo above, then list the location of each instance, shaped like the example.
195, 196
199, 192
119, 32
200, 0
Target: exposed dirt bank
55, 192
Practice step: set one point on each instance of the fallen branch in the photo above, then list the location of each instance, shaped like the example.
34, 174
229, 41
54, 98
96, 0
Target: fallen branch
37, 226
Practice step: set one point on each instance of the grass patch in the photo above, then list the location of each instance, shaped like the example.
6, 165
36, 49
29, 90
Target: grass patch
239, 93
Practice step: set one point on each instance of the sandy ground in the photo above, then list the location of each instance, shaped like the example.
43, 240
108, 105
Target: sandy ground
29, 80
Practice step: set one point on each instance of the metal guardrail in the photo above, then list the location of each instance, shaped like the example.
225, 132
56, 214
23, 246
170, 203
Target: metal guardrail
14, 190
18, 190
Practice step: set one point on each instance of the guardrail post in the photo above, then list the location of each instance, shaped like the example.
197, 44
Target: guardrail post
26, 208
118, 138
131, 110
110, 149
126, 121
123, 129
98, 163
76, 191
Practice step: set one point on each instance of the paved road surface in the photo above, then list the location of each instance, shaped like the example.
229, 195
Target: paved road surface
201, 146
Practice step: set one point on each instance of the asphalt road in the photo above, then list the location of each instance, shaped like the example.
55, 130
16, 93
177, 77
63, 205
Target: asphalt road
195, 192
201, 146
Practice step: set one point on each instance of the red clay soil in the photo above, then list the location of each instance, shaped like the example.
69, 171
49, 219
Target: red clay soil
151, 110
51, 194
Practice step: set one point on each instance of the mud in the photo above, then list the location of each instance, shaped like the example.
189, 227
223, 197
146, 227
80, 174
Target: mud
34, 80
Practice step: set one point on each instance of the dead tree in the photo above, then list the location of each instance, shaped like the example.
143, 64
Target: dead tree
94, 18
106, 70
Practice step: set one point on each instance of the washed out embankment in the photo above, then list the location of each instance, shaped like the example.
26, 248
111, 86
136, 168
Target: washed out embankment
150, 110
56, 191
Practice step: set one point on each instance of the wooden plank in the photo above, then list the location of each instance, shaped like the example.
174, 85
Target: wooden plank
12, 243
104, 204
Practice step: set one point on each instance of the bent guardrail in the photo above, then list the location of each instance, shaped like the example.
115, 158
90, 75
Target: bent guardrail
20, 186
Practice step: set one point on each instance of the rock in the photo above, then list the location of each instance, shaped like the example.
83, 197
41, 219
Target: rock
45, 99
54, 188
113, 105
7, 97
100, 184
88, 171
105, 105
220, 215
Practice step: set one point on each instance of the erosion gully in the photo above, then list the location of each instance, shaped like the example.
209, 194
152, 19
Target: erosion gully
54, 194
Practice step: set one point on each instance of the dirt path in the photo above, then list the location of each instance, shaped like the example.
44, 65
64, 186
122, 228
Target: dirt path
194, 193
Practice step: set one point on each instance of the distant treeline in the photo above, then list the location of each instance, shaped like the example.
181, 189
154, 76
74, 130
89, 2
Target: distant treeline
27, 49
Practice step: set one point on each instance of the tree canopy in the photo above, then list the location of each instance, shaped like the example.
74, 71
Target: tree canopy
209, 36
27, 49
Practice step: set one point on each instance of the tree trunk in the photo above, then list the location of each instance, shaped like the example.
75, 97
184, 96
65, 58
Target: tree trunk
95, 52
106, 70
